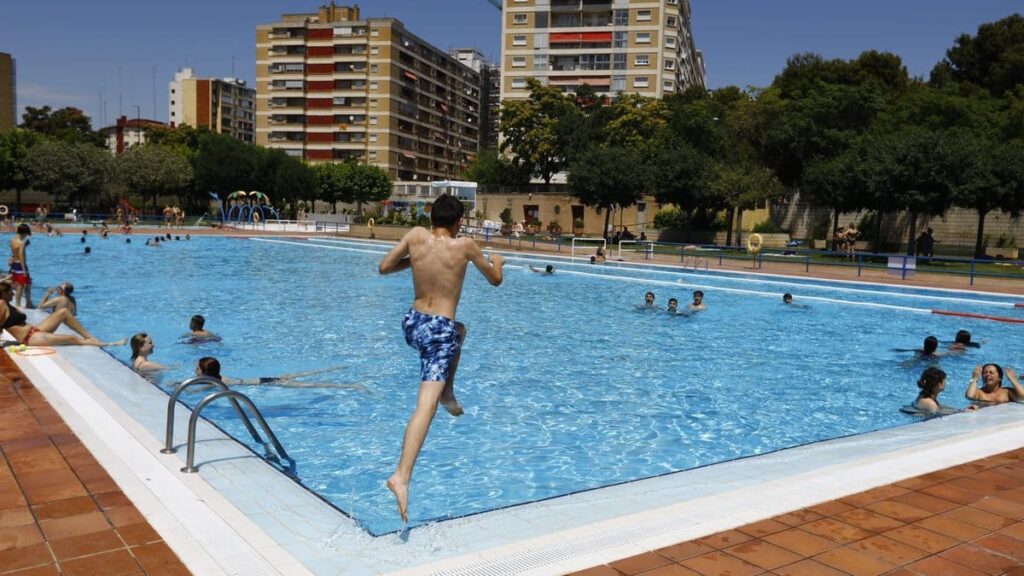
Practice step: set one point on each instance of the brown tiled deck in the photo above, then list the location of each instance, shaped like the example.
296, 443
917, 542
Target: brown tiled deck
967, 520
60, 513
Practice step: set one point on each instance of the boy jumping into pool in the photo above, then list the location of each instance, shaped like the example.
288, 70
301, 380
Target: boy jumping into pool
438, 260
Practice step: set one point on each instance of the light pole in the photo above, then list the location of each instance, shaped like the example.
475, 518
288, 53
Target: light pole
138, 124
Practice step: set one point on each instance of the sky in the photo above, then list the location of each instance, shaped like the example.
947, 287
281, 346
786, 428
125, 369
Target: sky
109, 56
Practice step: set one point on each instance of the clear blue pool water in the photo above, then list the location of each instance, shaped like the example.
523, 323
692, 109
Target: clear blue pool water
566, 385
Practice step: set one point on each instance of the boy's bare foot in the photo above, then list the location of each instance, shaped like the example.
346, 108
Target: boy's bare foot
401, 492
451, 404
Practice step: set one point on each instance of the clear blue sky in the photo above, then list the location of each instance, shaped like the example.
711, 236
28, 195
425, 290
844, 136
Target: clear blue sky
69, 51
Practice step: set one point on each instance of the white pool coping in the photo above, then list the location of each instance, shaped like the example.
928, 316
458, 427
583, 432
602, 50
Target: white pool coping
239, 515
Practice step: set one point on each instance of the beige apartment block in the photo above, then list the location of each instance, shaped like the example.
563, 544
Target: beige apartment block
8, 93
224, 105
614, 46
332, 86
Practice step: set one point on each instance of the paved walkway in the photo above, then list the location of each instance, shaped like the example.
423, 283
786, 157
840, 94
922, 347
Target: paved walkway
60, 513
962, 521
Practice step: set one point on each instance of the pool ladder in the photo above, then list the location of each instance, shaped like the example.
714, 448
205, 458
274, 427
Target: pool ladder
233, 397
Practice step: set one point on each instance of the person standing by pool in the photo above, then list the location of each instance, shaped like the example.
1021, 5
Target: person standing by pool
19, 266
992, 389
438, 261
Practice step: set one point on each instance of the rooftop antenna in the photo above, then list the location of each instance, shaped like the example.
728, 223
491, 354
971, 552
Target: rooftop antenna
154, 92
232, 66
120, 87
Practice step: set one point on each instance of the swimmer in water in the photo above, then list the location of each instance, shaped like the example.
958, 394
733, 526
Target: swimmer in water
547, 271
931, 383
210, 366
142, 347
648, 302
197, 331
992, 390
673, 307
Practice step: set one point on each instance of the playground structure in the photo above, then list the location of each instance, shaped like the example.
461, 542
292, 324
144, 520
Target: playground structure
246, 207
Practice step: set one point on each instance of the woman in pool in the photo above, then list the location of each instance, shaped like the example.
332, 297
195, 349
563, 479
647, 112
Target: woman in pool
59, 298
210, 366
42, 334
992, 389
142, 347
931, 383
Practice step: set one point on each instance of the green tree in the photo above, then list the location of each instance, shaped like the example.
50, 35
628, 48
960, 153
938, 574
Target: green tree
14, 174
369, 183
530, 129
993, 59
293, 180
72, 172
742, 186
491, 171
65, 124
224, 165
153, 170
608, 178
334, 183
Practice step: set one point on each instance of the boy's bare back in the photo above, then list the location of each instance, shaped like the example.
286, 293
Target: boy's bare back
438, 264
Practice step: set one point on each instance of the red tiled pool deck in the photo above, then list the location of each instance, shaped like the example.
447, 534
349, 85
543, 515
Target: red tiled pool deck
60, 513
962, 521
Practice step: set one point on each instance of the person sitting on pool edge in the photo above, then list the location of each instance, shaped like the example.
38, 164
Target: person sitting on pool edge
42, 334
61, 298
599, 257
931, 383
992, 390
142, 346
197, 332
210, 366
547, 271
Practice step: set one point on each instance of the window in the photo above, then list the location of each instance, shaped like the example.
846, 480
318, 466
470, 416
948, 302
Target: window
643, 15
642, 60
619, 39
621, 17
373, 154
643, 37
519, 40
670, 41
671, 22
373, 120
670, 64
172, 102
519, 18
673, 2
172, 90
640, 82
373, 102
618, 84
669, 86
618, 61
374, 50
374, 68
373, 138
519, 61
519, 83
373, 85
374, 32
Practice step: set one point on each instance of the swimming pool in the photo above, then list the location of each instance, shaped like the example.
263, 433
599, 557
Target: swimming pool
567, 386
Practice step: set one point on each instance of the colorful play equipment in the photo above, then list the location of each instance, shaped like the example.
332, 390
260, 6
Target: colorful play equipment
248, 207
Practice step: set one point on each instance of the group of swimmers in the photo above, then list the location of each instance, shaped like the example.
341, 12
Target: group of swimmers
697, 305
985, 386
155, 241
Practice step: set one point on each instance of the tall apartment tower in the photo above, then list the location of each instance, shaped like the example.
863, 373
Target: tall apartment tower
224, 105
490, 92
332, 86
642, 46
8, 93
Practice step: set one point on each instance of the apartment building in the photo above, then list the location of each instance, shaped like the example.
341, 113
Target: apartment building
224, 105
642, 46
8, 93
332, 86
490, 92
127, 132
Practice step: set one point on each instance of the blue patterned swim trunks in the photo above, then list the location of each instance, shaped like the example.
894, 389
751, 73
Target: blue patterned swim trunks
436, 339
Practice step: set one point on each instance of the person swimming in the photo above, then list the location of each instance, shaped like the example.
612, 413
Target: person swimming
210, 366
547, 271
673, 307
197, 331
142, 346
931, 383
648, 303
962, 342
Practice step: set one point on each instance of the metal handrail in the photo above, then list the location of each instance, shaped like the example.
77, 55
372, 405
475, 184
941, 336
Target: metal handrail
234, 397
169, 437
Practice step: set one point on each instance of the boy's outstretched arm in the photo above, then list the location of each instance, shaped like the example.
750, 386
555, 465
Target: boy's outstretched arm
489, 267
397, 259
